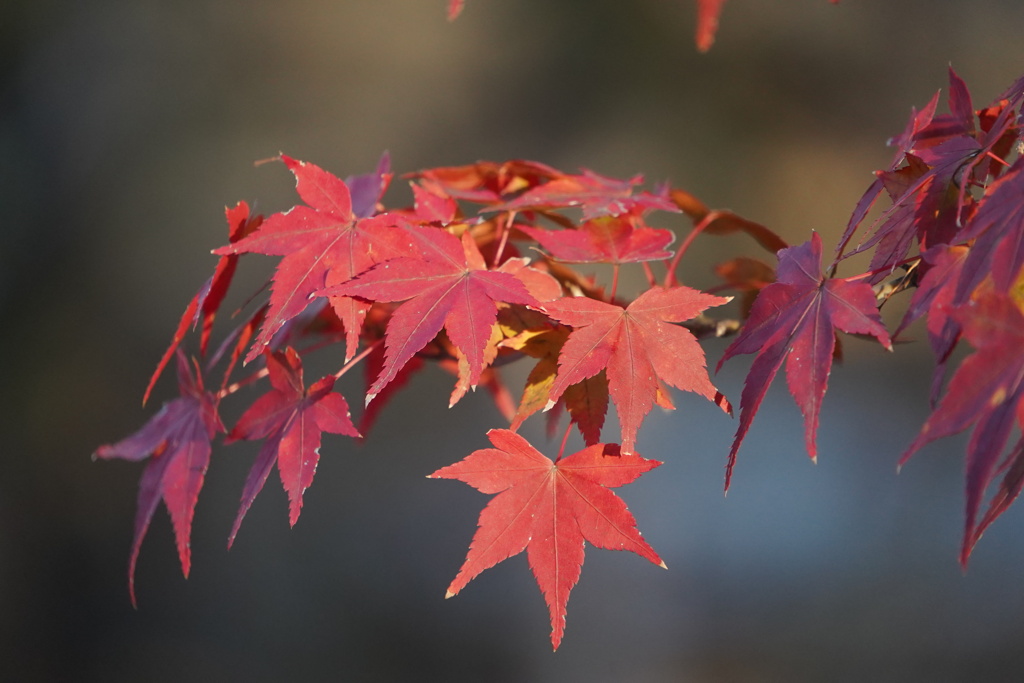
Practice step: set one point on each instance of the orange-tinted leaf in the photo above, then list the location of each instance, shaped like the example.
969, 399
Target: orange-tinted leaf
486, 182
542, 287
548, 509
725, 222
543, 344
746, 274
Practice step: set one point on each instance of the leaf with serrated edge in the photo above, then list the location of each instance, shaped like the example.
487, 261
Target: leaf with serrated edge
548, 509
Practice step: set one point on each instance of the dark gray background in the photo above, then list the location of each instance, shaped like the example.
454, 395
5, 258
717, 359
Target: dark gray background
126, 126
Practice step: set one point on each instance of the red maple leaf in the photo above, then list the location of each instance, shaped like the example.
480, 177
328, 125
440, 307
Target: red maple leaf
933, 296
206, 302
548, 509
930, 194
985, 391
323, 244
486, 182
367, 189
595, 194
638, 346
998, 230
1009, 489
608, 239
178, 439
455, 8
448, 286
292, 419
708, 12
794, 320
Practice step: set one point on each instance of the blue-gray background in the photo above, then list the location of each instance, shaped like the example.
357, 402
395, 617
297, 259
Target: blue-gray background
126, 126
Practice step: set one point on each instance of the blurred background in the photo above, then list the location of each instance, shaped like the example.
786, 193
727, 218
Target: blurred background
126, 127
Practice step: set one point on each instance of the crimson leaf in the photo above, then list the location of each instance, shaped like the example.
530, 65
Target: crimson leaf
794, 320
985, 391
608, 239
291, 418
449, 286
638, 346
206, 302
323, 243
177, 441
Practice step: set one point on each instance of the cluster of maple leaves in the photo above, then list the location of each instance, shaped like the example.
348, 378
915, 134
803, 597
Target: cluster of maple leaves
476, 274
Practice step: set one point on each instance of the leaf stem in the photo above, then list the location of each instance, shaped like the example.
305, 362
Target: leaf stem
358, 357
651, 279
503, 240
262, 372
871, 273
565, 439
670, 276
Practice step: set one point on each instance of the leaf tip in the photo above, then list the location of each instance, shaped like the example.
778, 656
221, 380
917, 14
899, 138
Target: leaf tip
722, 402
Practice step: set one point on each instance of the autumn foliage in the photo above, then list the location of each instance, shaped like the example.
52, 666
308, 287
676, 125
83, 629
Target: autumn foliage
491, 264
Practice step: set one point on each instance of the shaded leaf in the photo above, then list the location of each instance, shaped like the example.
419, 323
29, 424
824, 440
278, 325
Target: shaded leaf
986, 392
725, 222
794, 321
997, 229
177, 442
1009, 490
